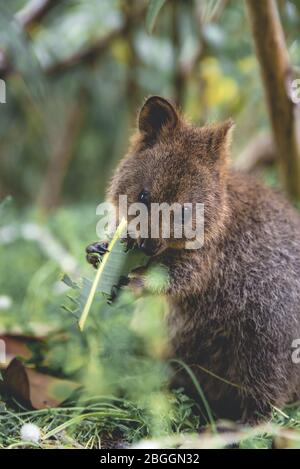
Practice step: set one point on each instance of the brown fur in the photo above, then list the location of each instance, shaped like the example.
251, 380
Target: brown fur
235, 303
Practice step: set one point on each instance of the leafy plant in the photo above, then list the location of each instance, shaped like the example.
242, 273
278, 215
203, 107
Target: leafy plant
116, 263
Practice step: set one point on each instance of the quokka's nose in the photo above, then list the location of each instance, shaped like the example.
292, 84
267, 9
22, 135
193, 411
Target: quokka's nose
148, 246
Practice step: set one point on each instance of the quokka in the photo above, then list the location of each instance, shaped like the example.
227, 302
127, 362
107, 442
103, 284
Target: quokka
235, 302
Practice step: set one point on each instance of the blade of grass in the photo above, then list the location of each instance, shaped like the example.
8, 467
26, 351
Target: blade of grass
75, 420
199, 390
119, 231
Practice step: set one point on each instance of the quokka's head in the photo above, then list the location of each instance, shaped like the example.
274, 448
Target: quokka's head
171, 161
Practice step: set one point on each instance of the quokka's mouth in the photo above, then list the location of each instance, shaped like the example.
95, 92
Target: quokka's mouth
150, 247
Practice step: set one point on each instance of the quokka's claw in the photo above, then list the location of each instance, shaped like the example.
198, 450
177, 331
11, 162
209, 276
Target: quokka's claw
116, 288
93, 259
130, 243
113, 295
123, 281
100, 247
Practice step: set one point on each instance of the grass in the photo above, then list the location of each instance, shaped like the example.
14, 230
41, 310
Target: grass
109, 421
119, 358
101, 421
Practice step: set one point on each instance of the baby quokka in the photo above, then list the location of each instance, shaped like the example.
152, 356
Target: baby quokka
235, 302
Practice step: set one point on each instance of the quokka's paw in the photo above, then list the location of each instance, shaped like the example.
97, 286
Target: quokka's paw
134, 283
137, 281
123, 281
95, 251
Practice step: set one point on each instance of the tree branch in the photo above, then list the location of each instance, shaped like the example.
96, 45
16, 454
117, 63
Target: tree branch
259, 153
87, 55
61, 157
92, 52
33, 12
277, 77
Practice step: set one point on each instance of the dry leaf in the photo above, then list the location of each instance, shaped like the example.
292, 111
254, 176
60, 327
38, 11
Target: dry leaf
34, 389
16, 346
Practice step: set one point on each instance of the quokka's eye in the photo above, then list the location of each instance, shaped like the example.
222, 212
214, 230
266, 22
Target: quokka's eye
144, 197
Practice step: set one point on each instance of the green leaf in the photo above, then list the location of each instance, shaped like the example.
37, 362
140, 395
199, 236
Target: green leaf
153, 10
115, 264
105, 265
69, 282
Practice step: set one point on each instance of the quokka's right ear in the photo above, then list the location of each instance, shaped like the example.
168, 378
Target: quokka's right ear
217, 138
156, 117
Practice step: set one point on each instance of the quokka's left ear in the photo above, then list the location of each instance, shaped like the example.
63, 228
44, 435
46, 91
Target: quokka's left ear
157, 116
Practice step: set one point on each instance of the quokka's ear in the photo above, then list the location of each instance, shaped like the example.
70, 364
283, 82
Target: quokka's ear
218, 137
156, 116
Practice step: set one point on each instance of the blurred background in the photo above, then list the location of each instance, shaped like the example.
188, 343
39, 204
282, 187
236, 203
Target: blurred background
75, 74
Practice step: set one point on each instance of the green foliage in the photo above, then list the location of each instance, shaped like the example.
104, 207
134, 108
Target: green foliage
120, 356
222, 82
115, 264
119, 359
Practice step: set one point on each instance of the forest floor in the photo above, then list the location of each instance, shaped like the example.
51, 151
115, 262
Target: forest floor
74, 427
